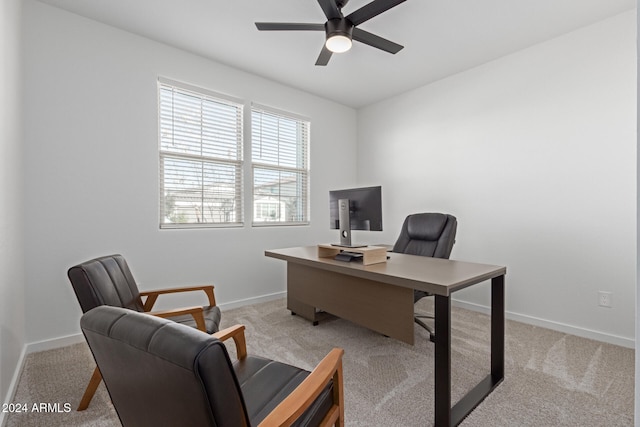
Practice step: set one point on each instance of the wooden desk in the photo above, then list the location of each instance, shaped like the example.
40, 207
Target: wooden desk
380, 297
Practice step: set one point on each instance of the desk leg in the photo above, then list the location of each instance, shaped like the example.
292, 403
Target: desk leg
442, 356
497, 329
445, 415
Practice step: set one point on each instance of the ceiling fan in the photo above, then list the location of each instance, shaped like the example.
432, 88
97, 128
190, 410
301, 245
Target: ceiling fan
340, 30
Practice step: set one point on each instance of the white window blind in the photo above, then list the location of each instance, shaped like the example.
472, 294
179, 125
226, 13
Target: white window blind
280, 163
200, 157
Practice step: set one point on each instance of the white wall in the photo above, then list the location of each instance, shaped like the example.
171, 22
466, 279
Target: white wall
12, 304
535, 153
92, 168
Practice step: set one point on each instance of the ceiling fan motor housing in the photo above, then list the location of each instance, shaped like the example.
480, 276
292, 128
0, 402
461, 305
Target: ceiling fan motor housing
339, 26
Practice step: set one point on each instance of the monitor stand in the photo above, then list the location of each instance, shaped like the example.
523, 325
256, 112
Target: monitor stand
344, 216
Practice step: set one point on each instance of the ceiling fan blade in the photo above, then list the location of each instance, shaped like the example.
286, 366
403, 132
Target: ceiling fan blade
372, 9
288, 26
324, 57
330, 9
376, 41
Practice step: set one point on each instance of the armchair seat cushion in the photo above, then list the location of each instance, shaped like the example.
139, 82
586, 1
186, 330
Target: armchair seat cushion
211, 319
265, 383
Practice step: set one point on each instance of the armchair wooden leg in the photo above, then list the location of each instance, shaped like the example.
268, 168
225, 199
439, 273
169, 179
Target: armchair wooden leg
338, 393
94, 382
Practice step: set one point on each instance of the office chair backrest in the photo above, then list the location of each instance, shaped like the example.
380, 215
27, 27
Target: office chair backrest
105, 281
427, 234
159, 372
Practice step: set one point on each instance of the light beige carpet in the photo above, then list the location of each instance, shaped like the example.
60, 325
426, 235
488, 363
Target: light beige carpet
552, 379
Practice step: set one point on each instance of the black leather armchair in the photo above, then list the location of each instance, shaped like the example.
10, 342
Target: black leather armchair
427, 234
159, 372
108, 281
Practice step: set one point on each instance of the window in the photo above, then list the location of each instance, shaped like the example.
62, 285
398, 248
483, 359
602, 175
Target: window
280, 163
200, 157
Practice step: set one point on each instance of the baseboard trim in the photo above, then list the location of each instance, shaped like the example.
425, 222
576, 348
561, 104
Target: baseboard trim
253, 300
548, 324
14, 383
54, 343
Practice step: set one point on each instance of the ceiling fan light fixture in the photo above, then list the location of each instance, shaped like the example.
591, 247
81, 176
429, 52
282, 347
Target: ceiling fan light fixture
338, 43
339, 32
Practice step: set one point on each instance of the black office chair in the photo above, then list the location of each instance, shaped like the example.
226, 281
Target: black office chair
427, 234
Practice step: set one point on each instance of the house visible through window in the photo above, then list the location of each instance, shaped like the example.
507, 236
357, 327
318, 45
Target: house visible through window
280, 164
200, 157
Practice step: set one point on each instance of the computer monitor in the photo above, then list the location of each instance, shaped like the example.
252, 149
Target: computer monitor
355, 209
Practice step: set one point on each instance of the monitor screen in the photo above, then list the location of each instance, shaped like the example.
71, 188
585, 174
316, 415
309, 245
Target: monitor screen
365, 208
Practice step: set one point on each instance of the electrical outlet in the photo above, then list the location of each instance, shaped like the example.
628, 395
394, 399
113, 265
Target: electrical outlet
604, 299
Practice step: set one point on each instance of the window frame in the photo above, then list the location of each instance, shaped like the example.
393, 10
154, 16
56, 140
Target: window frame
211, 160
304, 171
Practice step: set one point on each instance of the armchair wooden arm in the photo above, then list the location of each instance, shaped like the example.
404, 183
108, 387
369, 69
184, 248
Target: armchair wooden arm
237, 333
152, 296
303, 396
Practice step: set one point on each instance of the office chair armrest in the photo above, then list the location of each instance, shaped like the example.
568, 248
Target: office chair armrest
152, 295
196, 312
237, 333
308, 391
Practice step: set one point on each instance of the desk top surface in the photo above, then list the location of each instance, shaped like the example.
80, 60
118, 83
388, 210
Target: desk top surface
435, 275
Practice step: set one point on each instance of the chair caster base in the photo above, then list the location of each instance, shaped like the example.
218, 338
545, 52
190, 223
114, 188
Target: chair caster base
432, 335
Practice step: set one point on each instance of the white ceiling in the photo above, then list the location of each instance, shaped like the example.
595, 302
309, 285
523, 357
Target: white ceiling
441, 37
